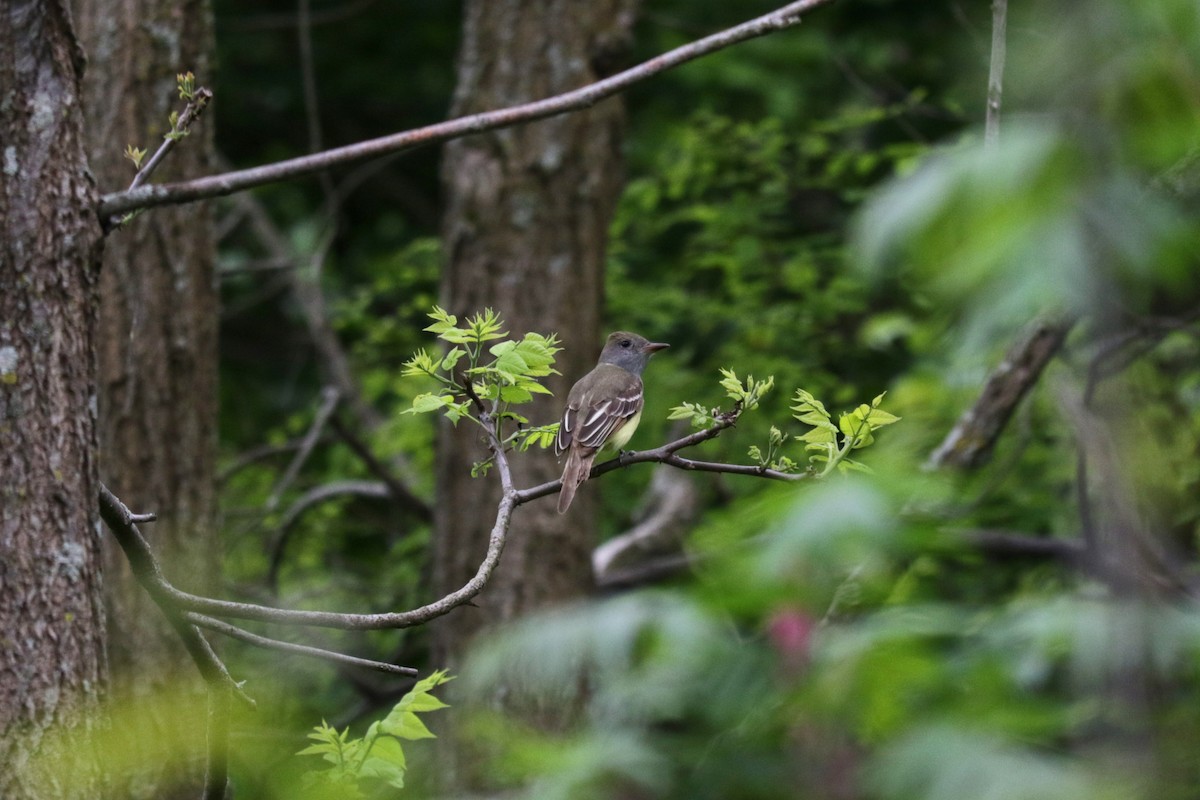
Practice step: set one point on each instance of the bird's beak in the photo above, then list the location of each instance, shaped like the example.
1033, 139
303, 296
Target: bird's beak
654, 347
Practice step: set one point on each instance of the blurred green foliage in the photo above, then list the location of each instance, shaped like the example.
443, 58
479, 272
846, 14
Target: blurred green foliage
817, 206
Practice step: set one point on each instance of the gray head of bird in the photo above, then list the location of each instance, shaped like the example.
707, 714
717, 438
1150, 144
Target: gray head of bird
629, 351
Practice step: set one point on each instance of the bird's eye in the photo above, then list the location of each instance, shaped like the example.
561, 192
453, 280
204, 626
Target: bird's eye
626, 343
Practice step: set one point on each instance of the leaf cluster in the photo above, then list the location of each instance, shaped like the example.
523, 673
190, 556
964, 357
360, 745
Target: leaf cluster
828, 444
378, 754
467, 376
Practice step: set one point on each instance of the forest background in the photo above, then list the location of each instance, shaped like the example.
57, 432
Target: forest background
1003, 606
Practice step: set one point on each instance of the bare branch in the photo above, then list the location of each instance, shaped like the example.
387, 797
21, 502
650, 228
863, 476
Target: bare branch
216, 773
306, 501
969, 443
583, 97
399, 491
671, 507
145, 568
335, 365
254, 455
329, 401
234, 632
991, 130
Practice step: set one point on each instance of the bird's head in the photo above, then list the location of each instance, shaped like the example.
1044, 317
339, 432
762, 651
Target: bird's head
629, 351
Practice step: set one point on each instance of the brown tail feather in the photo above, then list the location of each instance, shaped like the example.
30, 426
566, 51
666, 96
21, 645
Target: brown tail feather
579, 465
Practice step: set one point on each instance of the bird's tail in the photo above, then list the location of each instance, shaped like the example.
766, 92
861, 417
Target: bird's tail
576, 471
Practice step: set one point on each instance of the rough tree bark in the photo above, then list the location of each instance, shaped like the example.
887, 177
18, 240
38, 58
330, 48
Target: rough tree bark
52, 662
527, 218
157, 343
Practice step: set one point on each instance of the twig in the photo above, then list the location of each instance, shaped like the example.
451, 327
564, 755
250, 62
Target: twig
191, 112
199, 100
666, 454
253, 456
145, 569
969, 443
335, 365
329, 401
583, 97
400, 492
216, 773
312, 497
991, 129
234, 632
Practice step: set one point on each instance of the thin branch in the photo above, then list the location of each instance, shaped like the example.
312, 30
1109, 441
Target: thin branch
583, 97
325, 16
216, 773
142, 560
253, 456
387, 620
1023, 545
195, 106
399, 491
335, 365
191, 112
329, 401
313, 497
969, 443
667, 454
149, 575
991, 130
234, 632
308, 75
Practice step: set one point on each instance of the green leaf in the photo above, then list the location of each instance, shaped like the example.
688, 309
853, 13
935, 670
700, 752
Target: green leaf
542, 436
850, 465
515, 394
509, 361
445, 327
698, 415
854, 426
451, 358
820, 435
420, 364
732, 385
386, 761
485, 327
426, 402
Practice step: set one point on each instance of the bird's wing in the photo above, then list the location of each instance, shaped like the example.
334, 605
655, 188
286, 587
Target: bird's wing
590, 420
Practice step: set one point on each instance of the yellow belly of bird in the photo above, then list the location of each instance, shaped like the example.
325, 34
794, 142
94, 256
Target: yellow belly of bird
621, 436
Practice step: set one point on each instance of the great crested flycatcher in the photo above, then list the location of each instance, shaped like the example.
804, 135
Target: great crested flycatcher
603, 409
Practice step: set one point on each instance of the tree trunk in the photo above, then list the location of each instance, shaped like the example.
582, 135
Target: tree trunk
528, 211
52, 661
157, 366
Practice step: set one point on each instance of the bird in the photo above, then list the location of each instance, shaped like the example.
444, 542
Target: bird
603, 409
